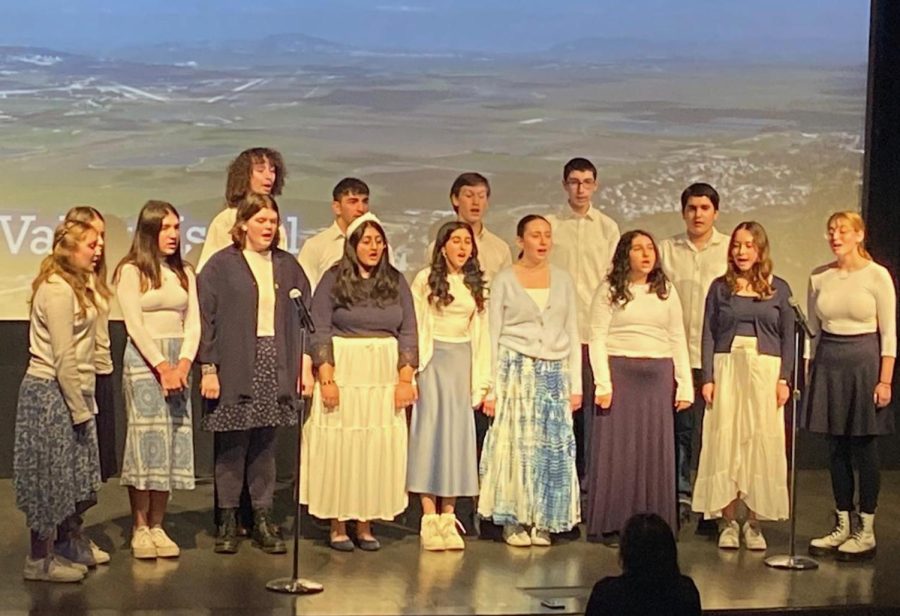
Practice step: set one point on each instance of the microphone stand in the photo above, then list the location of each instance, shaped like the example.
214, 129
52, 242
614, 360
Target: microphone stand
790, 560
296, 585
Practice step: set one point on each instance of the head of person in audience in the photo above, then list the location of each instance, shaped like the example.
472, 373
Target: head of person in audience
647, 550
455, 252
635, 262
156, 241
75, 245
846, 235
349, 201
749, 259
580, 183
365, 258
699, 209
257, 170
470, 196
256, 223
91, 216
534, 238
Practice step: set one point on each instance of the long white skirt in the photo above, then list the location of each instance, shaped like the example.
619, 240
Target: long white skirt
353, 457
743, 450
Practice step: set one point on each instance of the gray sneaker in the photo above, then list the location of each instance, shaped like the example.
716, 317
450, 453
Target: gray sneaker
76, 550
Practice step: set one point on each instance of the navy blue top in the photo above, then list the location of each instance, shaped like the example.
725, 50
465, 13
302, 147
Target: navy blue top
728, 315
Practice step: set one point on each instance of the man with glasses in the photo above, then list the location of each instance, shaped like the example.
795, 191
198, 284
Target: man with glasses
584, 240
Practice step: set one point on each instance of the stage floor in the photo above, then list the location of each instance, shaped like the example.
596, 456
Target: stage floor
487, 578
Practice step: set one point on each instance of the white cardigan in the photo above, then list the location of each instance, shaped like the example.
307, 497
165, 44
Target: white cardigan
479, 336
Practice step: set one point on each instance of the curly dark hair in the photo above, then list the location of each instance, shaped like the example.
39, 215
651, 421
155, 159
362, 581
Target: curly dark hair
349, 289
237, 185
473, 276
619, 293
759, 276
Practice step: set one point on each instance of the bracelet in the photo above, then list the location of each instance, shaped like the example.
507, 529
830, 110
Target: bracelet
324, 383
208, 369
884, 383
407, 382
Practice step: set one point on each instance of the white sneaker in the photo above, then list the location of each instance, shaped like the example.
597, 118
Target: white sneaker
430, 535
165, 547
449, 528
100, 557
753, 537
50, 569
516, 536
730, 537
142, 543
540, 538
68, 563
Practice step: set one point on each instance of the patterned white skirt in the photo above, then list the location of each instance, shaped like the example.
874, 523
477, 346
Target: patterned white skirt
159, 441
353, 457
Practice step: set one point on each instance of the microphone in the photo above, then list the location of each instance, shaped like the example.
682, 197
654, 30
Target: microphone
305, 318
800, 317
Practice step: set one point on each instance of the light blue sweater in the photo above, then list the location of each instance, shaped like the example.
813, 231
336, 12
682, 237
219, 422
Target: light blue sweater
518, 324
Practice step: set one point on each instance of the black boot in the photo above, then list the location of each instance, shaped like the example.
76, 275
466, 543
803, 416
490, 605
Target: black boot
266, 535
226, 537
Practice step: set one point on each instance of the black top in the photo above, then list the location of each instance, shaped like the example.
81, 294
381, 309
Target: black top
363, 320
626, 596
228, 313
772, 320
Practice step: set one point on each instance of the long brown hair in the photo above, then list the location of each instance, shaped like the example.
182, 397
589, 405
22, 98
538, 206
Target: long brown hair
856, 222
348, 288
88, 214
66, 238
760, 275
237, 184
144, 253
473, 277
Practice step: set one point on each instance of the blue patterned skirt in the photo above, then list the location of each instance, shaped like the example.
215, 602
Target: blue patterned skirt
159, 441
55, 465
528, 464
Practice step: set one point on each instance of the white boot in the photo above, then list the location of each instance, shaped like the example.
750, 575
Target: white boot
861, 544
430, 534
450, 532
838, 535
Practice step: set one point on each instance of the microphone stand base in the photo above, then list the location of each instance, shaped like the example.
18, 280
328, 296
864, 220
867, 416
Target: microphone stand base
294, 586
796, 563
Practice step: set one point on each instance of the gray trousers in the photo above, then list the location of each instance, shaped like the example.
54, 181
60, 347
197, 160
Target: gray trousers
250, 452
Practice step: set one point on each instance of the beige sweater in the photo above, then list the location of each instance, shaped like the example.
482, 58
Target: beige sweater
62, 345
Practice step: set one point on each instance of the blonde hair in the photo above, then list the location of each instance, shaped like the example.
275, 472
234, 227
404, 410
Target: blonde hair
88, 214
66, 238
759, 275
856, 222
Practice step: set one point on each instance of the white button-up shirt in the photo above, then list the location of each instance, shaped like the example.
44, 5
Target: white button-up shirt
320, 252
584, 247
692, 270
493, 253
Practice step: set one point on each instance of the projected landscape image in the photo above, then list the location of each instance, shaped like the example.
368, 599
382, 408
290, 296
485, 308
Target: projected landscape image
781, 140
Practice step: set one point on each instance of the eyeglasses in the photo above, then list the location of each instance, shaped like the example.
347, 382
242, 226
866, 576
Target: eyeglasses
579, 183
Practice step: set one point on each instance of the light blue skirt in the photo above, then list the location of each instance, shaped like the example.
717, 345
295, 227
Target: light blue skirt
528, 463
55, 465
442, 457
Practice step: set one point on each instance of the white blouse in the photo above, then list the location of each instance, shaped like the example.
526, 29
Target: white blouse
156, 314
850, 303
646, 327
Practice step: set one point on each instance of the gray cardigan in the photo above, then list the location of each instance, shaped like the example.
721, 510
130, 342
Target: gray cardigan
228, 309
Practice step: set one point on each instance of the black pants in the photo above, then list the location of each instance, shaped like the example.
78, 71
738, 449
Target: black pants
250, 455
581, 419
843, 450
687, 424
